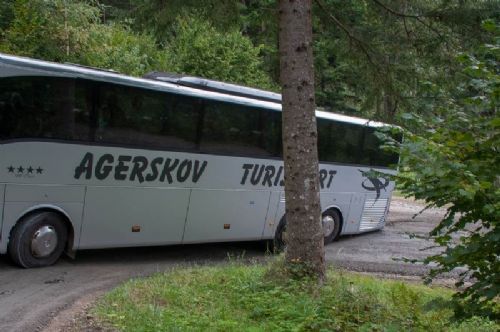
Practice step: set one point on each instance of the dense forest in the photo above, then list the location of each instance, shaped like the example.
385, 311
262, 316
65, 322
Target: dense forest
430, 66
373, 58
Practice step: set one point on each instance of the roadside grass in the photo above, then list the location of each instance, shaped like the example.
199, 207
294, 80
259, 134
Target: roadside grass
239, 297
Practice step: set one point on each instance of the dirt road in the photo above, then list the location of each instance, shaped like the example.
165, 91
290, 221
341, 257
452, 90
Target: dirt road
30, 299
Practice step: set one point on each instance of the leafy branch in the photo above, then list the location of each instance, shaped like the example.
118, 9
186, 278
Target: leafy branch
418, 18
349, 33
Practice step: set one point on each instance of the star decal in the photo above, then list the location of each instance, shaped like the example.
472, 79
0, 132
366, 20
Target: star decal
29, 171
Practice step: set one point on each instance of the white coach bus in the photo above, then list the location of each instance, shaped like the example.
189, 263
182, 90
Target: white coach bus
93, 159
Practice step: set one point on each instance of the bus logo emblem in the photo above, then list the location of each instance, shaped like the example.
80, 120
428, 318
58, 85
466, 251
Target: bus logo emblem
374, 184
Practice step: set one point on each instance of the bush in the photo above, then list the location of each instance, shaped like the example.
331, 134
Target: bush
116, 47
454, 162
197, 48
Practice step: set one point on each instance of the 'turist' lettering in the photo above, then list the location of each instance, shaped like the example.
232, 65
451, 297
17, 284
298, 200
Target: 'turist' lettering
140, 168
272, 176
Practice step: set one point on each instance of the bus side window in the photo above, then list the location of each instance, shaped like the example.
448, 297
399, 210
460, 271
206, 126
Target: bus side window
145, 118
236, 130
376, 156
272, 137
119, 114
179, 121
371, 150
112, 122
339, 142
326, 150
8, 110
43, 107
62, 108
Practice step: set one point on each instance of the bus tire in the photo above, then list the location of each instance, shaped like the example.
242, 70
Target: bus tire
38, 240
279, 243
330, 220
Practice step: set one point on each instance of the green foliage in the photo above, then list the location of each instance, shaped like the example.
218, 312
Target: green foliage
454, 161
201, 50
114, 46
377, 59
256, 298
53, 30
6, 14
70, 31
259, 23
160, 17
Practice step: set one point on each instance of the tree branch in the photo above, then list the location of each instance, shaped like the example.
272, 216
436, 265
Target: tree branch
416, 17
348, 32
392, 11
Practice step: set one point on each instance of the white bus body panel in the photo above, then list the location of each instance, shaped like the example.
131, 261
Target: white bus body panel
374, 213
198, 195
273, 215
351, 218
2, 194
225, 215
111, 212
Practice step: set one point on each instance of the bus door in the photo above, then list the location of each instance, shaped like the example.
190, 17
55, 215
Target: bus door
217, 215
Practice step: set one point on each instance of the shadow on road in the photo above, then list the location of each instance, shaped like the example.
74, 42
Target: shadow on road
193, 253
172, 254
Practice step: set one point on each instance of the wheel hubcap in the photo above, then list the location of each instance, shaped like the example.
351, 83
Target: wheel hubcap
328, 225
44, 241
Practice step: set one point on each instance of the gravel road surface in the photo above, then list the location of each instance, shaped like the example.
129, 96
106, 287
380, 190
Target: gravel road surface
30, 299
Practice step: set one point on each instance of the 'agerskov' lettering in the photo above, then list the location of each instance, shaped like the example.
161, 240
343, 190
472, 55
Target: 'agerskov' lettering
140, 168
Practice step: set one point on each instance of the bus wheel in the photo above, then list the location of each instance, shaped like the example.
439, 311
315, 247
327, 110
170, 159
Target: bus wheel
38, 240
280, 236
331, 225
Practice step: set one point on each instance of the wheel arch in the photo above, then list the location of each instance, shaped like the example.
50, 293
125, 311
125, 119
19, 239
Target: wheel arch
339, 211
59, 211
329, 208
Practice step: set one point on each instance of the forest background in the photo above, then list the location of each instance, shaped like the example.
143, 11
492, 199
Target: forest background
372, 59
429, 66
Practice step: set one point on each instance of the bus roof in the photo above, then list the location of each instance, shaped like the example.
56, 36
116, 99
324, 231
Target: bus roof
186, 85
216, 86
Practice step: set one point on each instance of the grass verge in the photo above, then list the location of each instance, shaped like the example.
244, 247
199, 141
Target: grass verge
239, 297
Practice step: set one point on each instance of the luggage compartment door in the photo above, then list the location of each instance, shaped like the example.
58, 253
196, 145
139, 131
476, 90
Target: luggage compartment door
223, 215
128, 216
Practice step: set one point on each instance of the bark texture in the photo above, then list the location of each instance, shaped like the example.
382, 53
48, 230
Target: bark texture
304, 233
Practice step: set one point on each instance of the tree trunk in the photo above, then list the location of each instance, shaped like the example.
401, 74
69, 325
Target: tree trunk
304, 234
